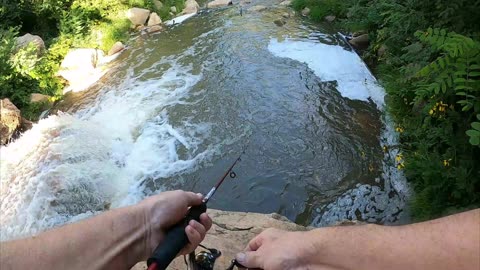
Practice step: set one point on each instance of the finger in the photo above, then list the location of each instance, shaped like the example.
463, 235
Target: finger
193, 198
255, 243
194, 238
250, 259
198, 227
206, 221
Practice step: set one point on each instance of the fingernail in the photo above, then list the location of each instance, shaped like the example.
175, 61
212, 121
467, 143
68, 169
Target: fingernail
191, 223
240, 257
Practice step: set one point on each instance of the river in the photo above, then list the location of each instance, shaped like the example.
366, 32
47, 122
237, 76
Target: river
179, 106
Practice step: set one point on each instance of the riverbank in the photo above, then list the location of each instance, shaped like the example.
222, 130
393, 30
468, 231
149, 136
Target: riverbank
429, 63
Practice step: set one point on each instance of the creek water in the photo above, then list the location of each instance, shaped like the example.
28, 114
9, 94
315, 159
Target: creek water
178, 107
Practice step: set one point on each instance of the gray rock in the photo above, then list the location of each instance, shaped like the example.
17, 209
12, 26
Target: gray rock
286, 15
382, 51
154, 29
138, 16
27, 39
173, 9
10, 120
286, 3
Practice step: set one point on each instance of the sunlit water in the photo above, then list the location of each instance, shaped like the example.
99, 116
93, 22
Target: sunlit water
178, 108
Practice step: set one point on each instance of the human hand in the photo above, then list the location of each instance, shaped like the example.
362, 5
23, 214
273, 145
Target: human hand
277, 249
163, 211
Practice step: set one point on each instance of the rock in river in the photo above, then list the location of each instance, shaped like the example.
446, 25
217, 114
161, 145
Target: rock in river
10, 120
360, 42
306, 11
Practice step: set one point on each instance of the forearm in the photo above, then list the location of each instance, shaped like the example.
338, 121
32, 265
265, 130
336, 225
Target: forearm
448, 243
89, 244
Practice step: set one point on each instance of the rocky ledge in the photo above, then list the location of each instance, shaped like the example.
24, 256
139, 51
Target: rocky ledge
231, 232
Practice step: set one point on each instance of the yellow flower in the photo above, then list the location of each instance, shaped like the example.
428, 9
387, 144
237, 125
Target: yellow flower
446, 162
431, 112
399, 129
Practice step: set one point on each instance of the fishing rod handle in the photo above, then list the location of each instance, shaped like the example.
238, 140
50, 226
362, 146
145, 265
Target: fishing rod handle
175, 239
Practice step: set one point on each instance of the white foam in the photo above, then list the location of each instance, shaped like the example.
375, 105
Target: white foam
70, 166
333, 63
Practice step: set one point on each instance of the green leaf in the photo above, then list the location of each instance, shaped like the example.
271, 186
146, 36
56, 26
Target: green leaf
473, 133
474, 140
476, 125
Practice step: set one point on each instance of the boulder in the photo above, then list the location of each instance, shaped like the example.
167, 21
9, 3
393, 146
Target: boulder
158, 5
286, 15
173, 9
219, 3
25, 125
138, 16
154, 19
191, 6
154, 29
10, 120
330, 18
286, 3
231, 232
36, 97
358, 33
360, 42
258, 8
306, 11
117, 47
25, 40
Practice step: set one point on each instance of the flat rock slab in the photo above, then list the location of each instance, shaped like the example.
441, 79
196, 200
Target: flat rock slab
231, 232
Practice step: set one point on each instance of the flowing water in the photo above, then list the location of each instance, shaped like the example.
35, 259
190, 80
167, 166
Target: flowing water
179, 106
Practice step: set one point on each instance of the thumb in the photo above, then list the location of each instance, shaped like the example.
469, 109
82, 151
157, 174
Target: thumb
250, 259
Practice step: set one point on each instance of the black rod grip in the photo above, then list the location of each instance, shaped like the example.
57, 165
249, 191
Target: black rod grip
175, 240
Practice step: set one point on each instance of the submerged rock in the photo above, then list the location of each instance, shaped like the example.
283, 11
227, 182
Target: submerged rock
154, 19
219, 3
10, 120
231, 232
25, 40
138, 16
191, 6
279, 22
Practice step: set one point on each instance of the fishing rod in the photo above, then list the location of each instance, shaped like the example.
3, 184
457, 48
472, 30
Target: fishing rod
176, 238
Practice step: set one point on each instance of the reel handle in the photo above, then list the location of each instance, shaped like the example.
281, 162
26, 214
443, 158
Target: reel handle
176, 239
